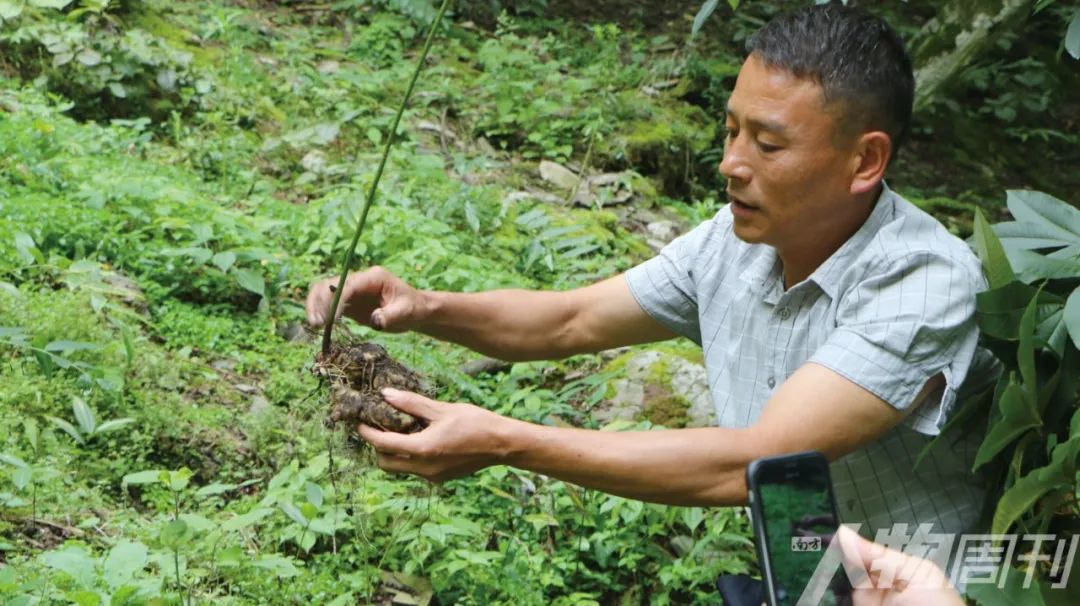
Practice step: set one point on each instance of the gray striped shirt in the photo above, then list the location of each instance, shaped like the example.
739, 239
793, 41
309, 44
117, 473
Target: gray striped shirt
893, 307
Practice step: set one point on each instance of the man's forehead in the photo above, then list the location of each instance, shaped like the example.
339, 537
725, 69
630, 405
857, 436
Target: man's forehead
772, 96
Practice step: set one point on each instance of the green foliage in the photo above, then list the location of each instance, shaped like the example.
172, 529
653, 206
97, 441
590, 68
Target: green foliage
153, 265
1032, 441
83, 50
152, 269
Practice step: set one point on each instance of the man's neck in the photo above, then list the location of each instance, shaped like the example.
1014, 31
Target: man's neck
800, 259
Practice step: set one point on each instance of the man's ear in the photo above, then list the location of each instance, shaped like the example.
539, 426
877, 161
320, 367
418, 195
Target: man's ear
869, 160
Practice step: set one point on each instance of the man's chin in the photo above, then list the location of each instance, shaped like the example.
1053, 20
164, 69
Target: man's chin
748, 233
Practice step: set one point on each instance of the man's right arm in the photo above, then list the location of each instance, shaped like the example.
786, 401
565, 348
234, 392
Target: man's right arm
507, 324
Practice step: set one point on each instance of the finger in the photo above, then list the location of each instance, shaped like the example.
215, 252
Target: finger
395, 464
313, 305
412, 403
387, 442
320, 296
858, 550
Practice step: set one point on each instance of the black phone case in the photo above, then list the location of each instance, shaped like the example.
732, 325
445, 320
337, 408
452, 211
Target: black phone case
753, 484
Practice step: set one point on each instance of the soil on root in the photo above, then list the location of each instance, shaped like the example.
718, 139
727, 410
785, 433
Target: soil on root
357, 372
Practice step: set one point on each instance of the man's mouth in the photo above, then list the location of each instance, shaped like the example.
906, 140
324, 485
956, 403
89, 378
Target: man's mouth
741, 206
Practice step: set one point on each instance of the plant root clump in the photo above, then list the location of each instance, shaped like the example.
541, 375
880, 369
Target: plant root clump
358, 371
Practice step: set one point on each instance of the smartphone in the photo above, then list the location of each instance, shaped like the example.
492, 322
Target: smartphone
793, 511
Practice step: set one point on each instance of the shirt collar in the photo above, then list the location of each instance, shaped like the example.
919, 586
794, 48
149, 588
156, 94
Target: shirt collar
827, 275
765, 273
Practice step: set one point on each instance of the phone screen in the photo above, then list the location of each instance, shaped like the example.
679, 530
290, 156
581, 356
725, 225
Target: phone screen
798, 519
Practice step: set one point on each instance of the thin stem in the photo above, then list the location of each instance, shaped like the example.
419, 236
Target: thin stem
375, 183
179, 584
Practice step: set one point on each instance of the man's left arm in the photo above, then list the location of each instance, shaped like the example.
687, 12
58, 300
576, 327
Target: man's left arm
815, 409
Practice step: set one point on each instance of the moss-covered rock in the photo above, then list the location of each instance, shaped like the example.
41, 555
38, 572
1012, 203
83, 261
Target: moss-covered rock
661, 139
659, 385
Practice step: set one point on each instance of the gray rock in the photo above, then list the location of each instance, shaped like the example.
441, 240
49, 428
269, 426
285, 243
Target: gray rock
627, 404
659, 233
259, 405
633, 393
558, 175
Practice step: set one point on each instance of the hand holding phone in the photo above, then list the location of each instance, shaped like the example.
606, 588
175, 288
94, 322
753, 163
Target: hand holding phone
795, 522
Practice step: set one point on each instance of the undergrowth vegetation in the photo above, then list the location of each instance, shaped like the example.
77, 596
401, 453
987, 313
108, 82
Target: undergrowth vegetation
174, 175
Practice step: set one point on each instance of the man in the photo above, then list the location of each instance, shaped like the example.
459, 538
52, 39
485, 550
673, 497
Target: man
834, 315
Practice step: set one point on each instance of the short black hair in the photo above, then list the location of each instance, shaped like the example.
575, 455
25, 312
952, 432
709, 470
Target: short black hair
856, 57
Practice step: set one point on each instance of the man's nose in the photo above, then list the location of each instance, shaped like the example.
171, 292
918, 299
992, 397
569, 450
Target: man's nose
733, 165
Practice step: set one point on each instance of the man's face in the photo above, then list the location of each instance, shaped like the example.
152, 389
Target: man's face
789, 172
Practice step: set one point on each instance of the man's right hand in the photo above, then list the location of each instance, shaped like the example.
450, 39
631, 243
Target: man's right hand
374, 297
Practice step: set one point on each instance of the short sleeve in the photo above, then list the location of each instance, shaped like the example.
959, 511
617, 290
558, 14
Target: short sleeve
666, 286
906, 321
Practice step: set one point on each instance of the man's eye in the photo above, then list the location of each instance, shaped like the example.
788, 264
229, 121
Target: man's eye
768, 148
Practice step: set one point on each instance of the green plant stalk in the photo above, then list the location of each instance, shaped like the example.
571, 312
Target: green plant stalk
328, 330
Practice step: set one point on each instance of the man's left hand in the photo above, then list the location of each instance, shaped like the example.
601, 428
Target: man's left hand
460, 439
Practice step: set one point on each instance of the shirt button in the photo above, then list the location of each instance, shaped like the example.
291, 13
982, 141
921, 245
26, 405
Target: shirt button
771, 382
785, 313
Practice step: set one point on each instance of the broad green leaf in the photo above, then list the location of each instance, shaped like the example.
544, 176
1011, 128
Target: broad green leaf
471, 218
1032, 267
129, 346
1052, 332
1018, 415
66, 347
314, 494
175, 533
179, 479
151, 476
68, 428
21, 477
124, 560
214, 489
1029, 235
1045, 210
309, 511
197, 523
9, 9
1022, 496
27, 249
1000, 309
692, 517
703, 14
12, 460
74, 561
294, 514
252, 281
995, 263
230, 556
58, 4
1071, 317
114, 424
243, 521
1015, 593
224, 260
84, 415
198, 255
1072, 36
12, 332
30, 430
279, 566
1025, 352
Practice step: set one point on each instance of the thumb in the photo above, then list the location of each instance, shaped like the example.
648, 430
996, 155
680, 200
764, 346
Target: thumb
412, 403
391, 316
